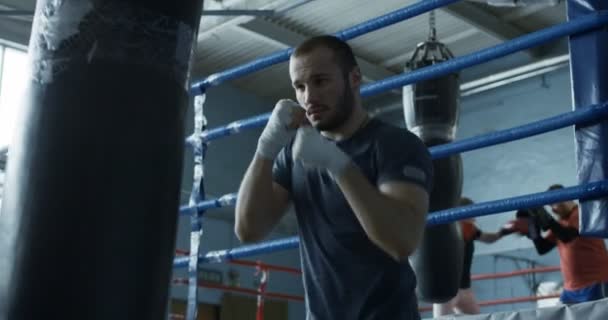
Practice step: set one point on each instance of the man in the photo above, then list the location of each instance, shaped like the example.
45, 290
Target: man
583, 261
465, 302
359, 187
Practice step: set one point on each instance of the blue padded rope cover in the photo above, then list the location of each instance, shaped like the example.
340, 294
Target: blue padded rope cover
589, 73
588, 191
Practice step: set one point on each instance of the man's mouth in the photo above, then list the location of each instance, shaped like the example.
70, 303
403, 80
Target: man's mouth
315, 112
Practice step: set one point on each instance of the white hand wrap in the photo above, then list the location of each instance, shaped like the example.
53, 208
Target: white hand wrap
279, 130
314, 150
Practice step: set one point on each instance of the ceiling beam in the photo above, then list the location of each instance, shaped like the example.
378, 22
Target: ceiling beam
487, 23
286, 38
522, 12
15, 32
209, 26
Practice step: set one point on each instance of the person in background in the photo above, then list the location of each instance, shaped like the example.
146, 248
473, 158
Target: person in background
465, 302
583, 260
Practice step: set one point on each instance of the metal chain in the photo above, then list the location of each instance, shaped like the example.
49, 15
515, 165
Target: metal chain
432, 30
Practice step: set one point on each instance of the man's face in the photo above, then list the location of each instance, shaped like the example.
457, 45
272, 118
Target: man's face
561, 209
322, 88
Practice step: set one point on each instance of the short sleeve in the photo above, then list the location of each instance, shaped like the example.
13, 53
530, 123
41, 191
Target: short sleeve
403, 157
281, 169
469, 230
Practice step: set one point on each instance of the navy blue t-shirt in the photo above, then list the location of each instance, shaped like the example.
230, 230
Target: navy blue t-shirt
346, 276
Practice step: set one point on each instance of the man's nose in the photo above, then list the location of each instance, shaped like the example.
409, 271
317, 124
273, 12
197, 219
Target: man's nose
311, 96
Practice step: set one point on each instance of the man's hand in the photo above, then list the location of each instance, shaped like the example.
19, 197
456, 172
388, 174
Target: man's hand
522, 226
314, 150
284, 121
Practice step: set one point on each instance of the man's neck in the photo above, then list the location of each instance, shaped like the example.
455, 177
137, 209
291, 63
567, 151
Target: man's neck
571, 207
357, 120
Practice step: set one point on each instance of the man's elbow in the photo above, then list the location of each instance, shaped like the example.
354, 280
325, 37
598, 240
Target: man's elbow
243, 229
406, 246
404, 252
399, 251
401, 248
246, 234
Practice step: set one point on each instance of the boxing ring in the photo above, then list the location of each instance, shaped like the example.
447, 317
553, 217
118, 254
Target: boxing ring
592, 310
586, 27
581, 116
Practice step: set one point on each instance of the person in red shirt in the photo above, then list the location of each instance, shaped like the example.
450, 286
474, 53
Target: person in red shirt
465, 302
583, 260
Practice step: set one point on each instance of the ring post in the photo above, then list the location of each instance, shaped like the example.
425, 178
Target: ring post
589, 73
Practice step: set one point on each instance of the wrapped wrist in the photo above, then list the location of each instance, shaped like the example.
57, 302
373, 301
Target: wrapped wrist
268, 150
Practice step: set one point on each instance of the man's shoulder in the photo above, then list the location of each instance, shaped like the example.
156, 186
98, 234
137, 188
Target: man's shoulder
390, 139
392, 133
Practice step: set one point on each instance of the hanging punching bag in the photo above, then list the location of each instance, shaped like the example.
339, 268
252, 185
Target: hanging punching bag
89, 217
431, 112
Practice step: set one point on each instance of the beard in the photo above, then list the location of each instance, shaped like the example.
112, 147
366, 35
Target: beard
341, 113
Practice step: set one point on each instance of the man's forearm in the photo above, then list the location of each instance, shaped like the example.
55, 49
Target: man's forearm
255, 206
565, 234
390, 224
543, 245
489, 237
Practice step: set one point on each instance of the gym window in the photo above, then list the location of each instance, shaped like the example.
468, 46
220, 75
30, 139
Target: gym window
13, 77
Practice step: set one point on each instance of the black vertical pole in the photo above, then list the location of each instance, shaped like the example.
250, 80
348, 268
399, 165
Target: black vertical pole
88, 220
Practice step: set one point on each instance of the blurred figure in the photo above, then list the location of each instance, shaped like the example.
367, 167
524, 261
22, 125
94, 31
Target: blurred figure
583, 260
465, 302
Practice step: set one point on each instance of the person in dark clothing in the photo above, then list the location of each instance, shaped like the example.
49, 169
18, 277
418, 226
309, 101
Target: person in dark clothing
360, 189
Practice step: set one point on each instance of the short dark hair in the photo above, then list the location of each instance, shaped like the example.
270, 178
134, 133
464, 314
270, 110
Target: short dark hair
343, 53
555, 187
464, 201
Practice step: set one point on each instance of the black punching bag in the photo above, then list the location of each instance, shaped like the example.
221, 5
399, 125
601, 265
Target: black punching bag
431, 112
89, 215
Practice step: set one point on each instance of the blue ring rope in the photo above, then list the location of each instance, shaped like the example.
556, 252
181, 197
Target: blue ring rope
584, 192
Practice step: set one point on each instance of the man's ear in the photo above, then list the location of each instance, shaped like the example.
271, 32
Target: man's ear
355, 77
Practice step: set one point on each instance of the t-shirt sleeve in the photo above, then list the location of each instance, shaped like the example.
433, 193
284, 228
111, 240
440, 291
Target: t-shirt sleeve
469, 230
281, 169
402, 156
